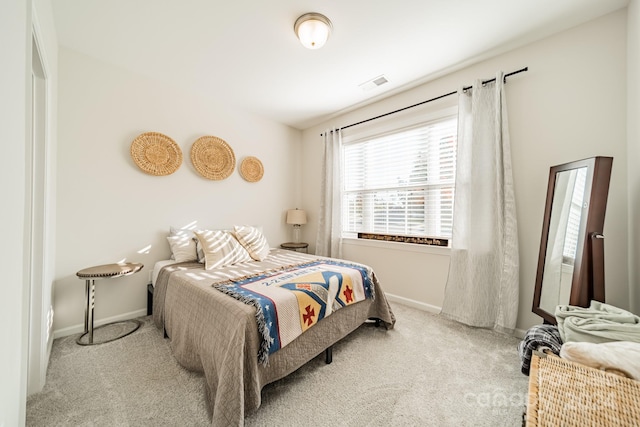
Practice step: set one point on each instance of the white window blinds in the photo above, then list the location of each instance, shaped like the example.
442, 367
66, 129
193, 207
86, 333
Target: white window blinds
575, 213
402, 183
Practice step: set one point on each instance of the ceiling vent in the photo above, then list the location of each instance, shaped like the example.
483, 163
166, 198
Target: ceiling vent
373, 83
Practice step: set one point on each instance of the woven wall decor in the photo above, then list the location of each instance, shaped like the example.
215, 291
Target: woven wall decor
156, 154
251, 169
213, 158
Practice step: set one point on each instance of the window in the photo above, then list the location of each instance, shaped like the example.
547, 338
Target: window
401, 183
575, 213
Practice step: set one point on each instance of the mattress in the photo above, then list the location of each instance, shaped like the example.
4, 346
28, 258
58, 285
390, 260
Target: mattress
157, 267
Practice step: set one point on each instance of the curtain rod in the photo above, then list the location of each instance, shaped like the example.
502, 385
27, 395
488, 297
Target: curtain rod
465, 88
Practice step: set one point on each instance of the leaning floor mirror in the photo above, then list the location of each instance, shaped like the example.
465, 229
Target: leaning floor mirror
571, 260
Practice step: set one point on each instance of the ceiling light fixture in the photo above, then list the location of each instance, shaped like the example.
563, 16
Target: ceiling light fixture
313, 30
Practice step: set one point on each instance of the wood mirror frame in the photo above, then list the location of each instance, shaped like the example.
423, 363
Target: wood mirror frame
588, 207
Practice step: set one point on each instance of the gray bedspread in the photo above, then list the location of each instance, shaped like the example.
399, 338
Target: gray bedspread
213, 333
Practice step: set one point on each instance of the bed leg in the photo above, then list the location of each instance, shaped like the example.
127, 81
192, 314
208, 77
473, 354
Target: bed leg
149, 299
377, 321
328, 355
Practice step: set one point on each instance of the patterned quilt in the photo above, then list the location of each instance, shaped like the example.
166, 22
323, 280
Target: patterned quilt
293, 299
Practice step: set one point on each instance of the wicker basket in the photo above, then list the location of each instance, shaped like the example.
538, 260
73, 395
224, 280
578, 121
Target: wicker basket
156, 154
251, 169
213, 158
564, 393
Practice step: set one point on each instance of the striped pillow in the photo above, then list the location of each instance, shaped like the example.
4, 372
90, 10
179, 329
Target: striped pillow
220, 249
253, 241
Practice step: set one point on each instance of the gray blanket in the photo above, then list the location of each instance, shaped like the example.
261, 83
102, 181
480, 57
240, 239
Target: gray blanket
597, 323
213, 333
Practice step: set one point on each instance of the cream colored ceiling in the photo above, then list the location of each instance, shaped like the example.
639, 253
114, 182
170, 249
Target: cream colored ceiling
244, 52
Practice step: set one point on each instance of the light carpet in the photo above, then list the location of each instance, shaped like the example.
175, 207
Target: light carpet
428, 371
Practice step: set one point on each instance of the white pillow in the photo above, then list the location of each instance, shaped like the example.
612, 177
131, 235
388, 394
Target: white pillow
188, 233
615, 356
253, 241
221, 248
183, 248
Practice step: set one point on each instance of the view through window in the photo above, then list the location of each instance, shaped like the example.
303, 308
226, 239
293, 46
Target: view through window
401, 183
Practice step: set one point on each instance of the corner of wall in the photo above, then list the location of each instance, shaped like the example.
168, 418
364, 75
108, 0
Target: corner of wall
633, 152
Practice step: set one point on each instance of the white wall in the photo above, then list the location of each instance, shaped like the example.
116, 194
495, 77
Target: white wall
15, 33
633, 147
109, 210
570, 105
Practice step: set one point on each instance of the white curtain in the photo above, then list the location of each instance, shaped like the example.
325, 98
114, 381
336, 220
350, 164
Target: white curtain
482, 289
330, 219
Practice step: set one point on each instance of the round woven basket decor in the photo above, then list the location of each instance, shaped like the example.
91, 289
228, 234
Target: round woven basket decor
251, 169
156, 154
213, 158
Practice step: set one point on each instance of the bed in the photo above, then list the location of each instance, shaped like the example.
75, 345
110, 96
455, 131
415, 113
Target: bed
214, 332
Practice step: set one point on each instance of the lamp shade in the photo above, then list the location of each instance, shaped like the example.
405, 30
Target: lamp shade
313, 30
296, 217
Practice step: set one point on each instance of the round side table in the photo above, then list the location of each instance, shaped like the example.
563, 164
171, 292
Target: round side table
295, 246
90, 275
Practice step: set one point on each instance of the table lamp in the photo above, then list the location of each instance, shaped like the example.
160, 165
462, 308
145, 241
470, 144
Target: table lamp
296, 217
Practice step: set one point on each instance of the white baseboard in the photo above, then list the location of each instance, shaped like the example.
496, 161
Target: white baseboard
414, 304
519, 333
77, 329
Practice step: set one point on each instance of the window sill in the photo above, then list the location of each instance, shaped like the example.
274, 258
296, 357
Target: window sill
397, 246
